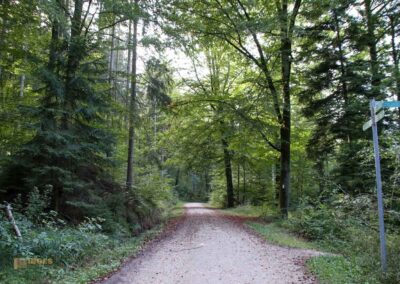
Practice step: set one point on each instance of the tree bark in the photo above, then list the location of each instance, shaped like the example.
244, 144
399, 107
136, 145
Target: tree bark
4, 23
238, 184
285, 130
111, 63
228, 173
12, 220
132, 108
128, 66
395, 58
244, 183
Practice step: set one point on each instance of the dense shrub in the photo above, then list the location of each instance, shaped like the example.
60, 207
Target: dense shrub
66, 246
320, 222
218, 197
348, 225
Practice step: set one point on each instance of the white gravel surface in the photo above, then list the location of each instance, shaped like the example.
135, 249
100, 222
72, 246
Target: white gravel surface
209, 247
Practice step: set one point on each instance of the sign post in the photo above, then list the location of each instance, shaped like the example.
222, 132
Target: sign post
376, 106
378, 186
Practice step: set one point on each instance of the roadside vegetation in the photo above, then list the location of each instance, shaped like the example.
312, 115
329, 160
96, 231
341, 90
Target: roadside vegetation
352, 248
78, 253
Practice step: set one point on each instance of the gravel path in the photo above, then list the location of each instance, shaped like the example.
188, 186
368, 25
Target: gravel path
211, 248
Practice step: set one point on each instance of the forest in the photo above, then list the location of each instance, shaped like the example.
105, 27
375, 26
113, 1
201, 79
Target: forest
113, 113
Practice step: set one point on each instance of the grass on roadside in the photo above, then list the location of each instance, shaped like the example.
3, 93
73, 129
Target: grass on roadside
109, 259
250, 211
176, 211
329, 269
275, 234
334, 269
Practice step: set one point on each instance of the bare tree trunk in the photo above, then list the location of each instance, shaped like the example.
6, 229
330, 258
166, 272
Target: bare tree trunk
238, 184
228, 173
4, 17
12, 220
244, 183
395, 58
285, 51
111, 62
132, 108
128, 66
116, 69
273, 182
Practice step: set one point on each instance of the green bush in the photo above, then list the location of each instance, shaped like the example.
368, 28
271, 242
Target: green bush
66, 246
319, 222
37, 203
348, 226
218, 197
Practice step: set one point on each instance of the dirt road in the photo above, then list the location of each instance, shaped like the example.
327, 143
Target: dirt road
211, 248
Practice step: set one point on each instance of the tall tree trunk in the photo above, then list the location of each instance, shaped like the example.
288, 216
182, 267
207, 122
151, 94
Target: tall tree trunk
277, 187
132, 107
111, 62
373, 53
4, 23
228, 173
128, 66
238, 184
244, 183
395, 58
116, 70
285, 51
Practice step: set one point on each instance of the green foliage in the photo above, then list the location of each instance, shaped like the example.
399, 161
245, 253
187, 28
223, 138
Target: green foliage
320, 222
37, 203
347, 226
218, 197
275, 234
66, 246
263, 211
335, 269
80, 254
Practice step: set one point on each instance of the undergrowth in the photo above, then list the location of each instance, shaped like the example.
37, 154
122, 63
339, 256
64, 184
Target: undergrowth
346, 229
78, 253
